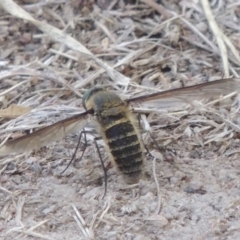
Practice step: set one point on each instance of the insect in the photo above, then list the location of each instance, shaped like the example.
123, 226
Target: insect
116, 123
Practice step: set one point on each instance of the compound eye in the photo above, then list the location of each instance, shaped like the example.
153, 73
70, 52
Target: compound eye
87, 95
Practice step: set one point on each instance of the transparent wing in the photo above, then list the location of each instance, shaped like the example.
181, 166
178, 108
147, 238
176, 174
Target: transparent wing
189, 94
46, 135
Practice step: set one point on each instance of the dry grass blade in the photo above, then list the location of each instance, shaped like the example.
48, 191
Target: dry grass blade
12, 88
158, 7
158, 209
20, 204
159, 45
218, 34
105, 210
45, 135
87, 233
30, 231
5, 190
62, 37
168, 14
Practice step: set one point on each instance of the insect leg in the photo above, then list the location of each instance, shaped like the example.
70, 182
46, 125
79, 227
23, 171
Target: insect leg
148, 152
161, 149
104, 169
139, 123
75, 152
149, 132
139, 120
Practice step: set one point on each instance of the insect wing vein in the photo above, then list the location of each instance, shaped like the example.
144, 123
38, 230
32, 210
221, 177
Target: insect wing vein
191, 93
46, 135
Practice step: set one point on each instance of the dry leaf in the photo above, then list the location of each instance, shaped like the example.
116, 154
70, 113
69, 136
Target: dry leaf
14, 111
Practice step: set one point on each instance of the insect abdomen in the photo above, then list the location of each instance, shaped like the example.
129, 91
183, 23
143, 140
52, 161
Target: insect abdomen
118, 128
125, 148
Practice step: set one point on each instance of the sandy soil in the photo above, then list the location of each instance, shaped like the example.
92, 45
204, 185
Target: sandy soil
193, 195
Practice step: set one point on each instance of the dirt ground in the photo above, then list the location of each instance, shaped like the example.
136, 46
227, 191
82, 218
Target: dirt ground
191, 193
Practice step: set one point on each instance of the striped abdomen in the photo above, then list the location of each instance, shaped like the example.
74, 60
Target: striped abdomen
118, 128
125, 147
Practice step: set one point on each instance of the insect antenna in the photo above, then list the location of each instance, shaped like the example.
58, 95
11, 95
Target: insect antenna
75, 152
104, 169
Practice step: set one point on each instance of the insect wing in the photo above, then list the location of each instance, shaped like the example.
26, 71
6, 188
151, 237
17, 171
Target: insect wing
189, 94
46, 135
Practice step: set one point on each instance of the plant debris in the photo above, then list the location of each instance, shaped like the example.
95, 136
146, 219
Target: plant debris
52, 51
